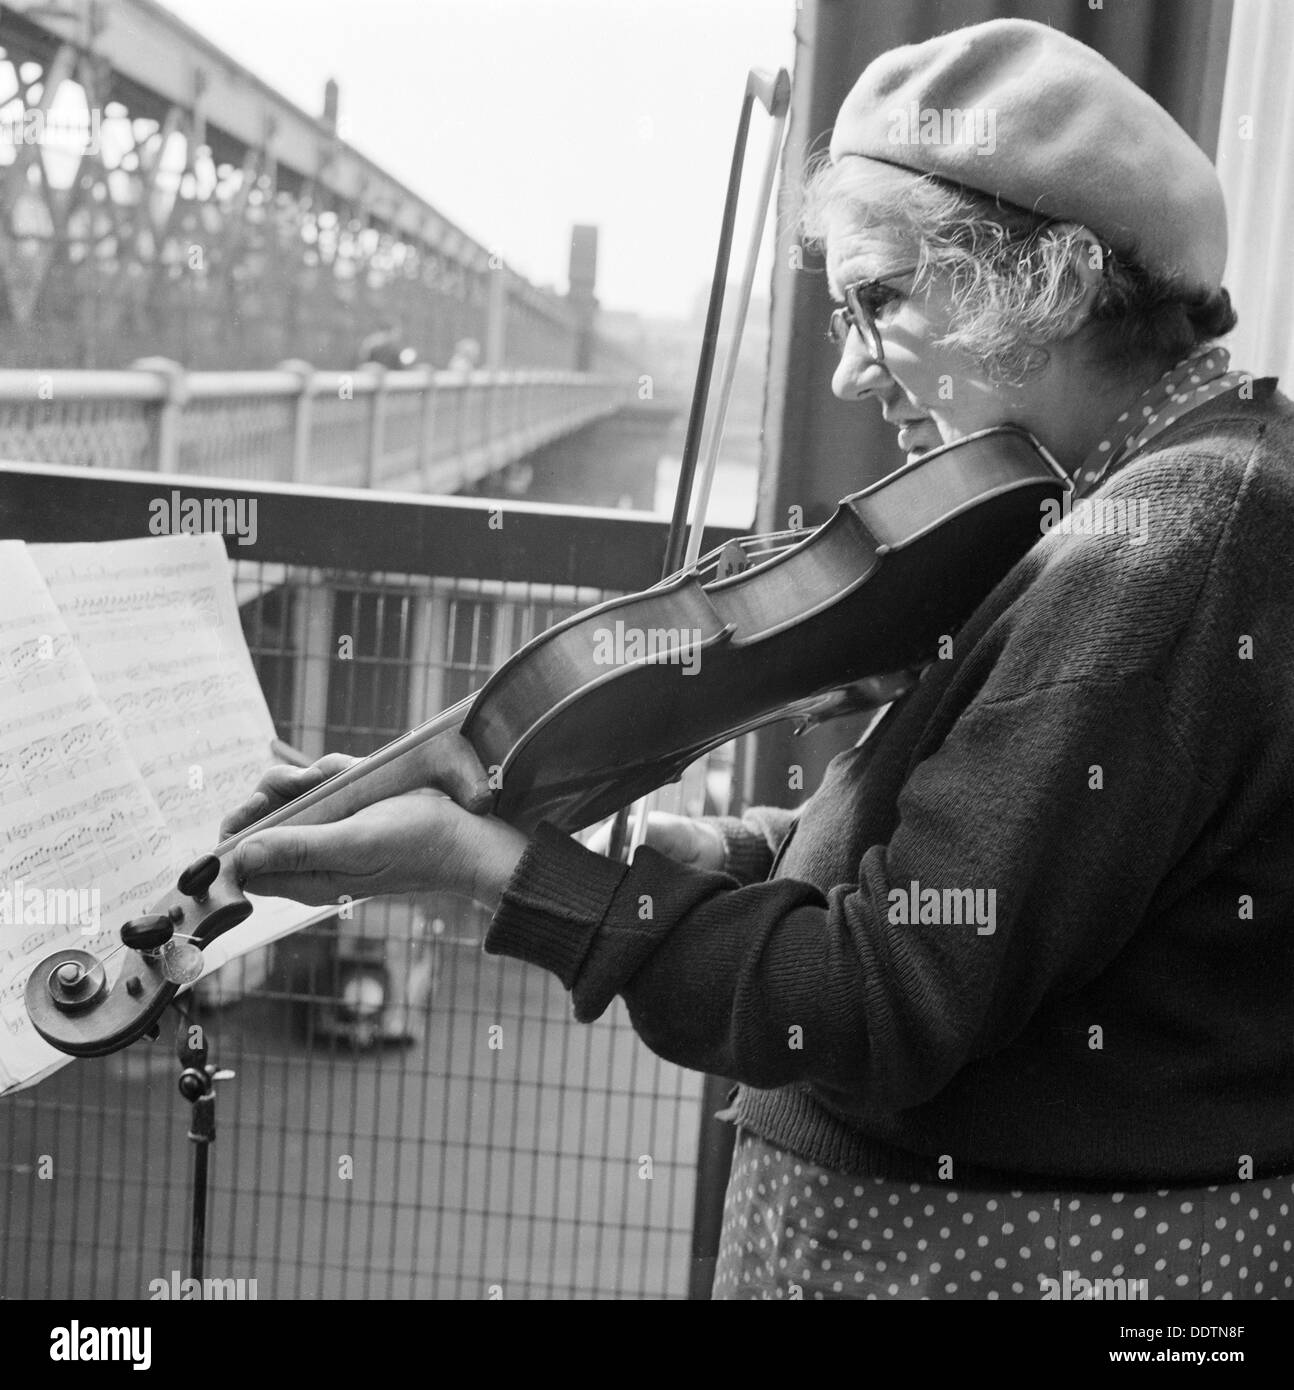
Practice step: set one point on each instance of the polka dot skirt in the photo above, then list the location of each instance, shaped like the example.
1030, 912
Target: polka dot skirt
794, 1230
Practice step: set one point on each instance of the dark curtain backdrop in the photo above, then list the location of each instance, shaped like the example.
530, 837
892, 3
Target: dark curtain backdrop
817, 449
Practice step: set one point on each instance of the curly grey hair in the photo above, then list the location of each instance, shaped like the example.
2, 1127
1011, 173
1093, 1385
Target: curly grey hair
1011, 272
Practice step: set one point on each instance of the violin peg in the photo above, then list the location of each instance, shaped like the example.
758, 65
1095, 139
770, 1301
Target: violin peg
147, 933
198, 877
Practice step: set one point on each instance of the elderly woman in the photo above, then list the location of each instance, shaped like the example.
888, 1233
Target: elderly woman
1088, 1089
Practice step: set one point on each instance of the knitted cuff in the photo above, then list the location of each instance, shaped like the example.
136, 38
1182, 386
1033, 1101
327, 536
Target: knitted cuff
555, 901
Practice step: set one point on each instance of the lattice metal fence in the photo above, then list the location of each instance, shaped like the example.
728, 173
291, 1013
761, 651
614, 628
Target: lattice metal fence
411, 430
458, 1136
238, 437
92, 433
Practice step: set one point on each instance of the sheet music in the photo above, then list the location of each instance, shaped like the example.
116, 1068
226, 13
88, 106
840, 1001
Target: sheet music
156, 622
82, 843
133, 721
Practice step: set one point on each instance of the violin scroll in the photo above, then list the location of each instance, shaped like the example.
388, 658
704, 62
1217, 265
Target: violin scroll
69, 1000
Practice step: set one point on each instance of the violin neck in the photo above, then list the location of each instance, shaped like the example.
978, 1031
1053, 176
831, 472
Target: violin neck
388, 753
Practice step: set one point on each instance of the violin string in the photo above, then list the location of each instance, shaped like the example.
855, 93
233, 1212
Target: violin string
781, 541
121, 946
706, 570
99, 963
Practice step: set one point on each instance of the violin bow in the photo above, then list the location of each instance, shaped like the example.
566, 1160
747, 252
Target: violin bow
778, 103
773, 92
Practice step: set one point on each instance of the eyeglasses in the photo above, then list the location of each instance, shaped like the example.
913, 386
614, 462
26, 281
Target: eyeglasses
863, 301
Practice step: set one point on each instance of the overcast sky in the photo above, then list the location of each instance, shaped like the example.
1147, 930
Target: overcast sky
517, 118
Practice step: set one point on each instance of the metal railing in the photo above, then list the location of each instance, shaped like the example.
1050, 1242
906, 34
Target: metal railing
562, 1164
418, 430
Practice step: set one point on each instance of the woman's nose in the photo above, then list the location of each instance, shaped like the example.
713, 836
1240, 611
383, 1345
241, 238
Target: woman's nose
858, 373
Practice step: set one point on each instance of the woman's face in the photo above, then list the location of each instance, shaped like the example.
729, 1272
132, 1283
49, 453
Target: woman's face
932, 394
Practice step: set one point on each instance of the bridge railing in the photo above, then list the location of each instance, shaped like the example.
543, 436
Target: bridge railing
418, 430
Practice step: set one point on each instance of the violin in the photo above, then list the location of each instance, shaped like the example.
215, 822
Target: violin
619, 699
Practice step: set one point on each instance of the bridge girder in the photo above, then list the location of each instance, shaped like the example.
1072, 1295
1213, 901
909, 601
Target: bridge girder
210, 219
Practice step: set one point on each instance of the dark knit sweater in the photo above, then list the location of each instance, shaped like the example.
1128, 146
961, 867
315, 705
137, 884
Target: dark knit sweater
1110, 750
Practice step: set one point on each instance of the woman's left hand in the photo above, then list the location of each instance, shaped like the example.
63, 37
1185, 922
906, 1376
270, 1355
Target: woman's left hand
418, 842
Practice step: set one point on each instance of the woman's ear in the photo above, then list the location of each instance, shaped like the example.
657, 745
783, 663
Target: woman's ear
1087, 257
1087, 261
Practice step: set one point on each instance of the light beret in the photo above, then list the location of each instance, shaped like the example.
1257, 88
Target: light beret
1024, 113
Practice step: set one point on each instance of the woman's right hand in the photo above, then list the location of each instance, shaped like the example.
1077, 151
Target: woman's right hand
696, 843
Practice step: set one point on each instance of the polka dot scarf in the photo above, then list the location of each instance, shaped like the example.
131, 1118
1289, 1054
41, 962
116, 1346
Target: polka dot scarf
1189, 384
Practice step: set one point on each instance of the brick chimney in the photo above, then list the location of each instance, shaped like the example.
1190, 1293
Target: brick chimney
332, 95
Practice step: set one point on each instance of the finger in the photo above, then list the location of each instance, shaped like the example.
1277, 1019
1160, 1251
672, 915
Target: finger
446, 763
306, 863
314, 890
451, 765
339, 804
276, 788
244, 814
334, 762
686, 841
882, 689
677, 840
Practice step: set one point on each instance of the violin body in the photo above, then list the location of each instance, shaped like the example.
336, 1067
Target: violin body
618, 700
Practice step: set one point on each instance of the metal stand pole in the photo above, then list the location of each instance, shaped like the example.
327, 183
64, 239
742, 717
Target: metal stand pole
197, 1086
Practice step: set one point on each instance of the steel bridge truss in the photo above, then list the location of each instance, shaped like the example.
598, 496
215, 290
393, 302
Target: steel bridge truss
157, 198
